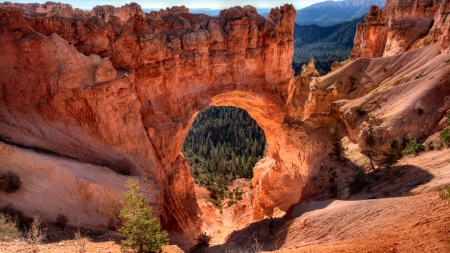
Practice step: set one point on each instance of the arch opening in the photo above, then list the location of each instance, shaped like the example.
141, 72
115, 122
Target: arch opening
223, 144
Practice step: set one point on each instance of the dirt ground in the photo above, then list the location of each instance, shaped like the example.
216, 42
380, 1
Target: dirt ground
399, 211
72, 246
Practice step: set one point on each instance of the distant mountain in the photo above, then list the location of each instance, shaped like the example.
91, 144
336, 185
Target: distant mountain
325, 43
333, 12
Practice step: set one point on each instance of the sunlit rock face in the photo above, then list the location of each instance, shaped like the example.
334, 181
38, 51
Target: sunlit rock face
120, 88
401, 26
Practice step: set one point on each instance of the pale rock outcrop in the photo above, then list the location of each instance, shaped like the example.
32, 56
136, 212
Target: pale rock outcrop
309, 70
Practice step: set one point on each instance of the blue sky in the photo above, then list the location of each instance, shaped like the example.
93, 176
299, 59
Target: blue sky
213, 4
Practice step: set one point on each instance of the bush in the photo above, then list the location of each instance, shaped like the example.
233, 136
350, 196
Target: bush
413, 147
61, 221
8, 228
34, 235
9, 182
23, 221
444, 192
142, 232
392, 157
231, 202
216, 203
429, 146
445, 136
359, 182
447, 121
420, 76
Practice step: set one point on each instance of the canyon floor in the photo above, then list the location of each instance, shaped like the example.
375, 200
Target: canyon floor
399, 213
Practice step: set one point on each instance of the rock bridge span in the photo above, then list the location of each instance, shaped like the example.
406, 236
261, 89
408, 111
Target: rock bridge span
120, 88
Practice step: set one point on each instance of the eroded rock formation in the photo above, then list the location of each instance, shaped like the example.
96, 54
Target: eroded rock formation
102, 89
123, 93
401, 26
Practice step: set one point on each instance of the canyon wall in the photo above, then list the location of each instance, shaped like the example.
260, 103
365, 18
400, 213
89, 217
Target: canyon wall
402, 26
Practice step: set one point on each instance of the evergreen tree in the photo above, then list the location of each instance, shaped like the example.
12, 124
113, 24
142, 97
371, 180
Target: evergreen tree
141, 230
338, 149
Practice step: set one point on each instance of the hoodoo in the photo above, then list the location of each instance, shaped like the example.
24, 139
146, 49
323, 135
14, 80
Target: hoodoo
93, 96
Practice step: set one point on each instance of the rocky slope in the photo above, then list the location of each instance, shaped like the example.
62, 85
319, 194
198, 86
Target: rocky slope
104, 91
398, 212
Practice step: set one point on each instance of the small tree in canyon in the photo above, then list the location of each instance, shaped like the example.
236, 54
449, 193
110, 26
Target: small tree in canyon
142, 231
338, 149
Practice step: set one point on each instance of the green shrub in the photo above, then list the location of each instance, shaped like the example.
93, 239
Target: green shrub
444, 136
231, 202
429, 146
9, 182
444, 192
216, 203
413, 147
237, 194
141, 230
420, 76
359, 182
392, 157
447, 121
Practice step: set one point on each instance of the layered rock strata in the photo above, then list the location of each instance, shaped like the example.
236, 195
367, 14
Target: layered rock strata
401, 26
123, 93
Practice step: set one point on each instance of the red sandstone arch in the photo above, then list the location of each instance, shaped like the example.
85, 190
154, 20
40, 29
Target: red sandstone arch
124, 94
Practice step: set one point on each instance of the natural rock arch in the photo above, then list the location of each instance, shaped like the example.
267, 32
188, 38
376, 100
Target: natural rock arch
129, 101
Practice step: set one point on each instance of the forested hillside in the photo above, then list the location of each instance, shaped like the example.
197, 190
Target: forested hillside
333, 12
223, 144
325, 43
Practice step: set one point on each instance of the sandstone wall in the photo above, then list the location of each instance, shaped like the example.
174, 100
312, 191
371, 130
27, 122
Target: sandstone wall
401, 26
122, 93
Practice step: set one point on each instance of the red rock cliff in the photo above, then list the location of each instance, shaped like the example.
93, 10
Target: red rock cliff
401, 26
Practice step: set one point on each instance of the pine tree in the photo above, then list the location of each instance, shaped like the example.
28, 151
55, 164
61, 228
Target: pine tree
338, 149
141, 230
